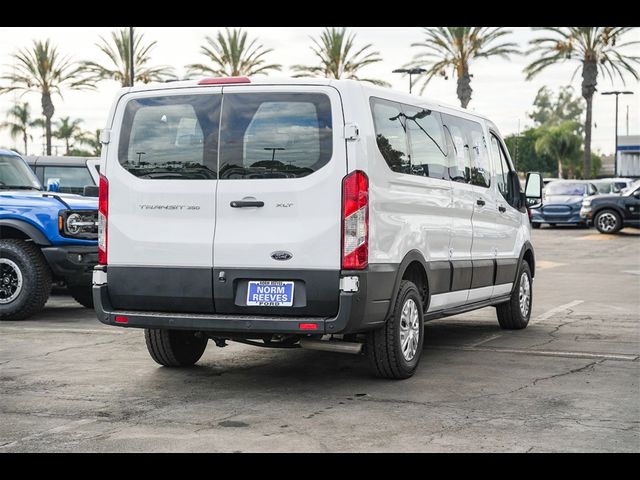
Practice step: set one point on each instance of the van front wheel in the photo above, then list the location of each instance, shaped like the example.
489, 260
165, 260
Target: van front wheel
394, 350
175, 348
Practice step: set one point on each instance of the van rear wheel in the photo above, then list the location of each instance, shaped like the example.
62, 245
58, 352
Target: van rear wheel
175, 348
515, 313
394, 350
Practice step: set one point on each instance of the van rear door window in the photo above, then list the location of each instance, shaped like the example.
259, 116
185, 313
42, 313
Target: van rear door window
274, 135
172, 137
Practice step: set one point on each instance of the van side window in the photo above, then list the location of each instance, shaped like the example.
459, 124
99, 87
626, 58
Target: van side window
480, 161
428, 149
274, 135
172, 137
460, 162
391, 134
502, 168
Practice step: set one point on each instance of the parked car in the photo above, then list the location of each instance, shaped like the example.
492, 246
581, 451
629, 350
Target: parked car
73, 174
339, 209
562, 202
611, 185
610, 213
44, 237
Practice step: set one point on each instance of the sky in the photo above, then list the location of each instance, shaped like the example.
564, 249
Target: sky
500, 90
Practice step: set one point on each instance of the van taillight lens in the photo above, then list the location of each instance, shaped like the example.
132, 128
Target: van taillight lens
355, 221
103, 215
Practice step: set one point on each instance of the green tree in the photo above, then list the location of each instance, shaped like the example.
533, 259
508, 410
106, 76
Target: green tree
117, 53
232, 55
561, 143
453, 48
553, 109
42, 69
524, 155
20, 123
92, 140
338, 57
69, 131
595, 49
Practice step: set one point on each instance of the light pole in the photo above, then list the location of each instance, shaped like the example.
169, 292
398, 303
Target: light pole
615, 152
410, 71
131, 60
273, 151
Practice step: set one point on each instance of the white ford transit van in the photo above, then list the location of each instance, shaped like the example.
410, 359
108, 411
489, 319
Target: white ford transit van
312, 213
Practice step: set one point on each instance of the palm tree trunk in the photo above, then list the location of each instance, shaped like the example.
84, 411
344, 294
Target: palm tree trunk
48, 111
24, 139
559, 167
66, 141
589, 82
464, 86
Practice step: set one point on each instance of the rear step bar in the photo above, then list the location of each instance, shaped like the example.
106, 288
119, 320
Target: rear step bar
331, 346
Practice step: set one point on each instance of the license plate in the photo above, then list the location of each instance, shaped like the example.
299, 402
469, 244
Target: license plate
270, 293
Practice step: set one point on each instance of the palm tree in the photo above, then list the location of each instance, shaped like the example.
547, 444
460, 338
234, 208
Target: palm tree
229, 55
454, 48
92, 140
117, 52
68, 131
42, 69
561, 143
19, 127
339, 58
595, 49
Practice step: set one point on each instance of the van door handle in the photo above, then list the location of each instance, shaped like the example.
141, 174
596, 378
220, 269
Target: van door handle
246, 203
480, 202
502, 209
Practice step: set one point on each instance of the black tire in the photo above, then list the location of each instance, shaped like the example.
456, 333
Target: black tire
82, 295
175, 348
536, 225
384, 348
35, 276
613, 225
510, 315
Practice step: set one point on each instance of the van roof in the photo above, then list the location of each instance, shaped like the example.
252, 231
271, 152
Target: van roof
375, 90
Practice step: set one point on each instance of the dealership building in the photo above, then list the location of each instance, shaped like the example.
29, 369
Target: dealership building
628, 156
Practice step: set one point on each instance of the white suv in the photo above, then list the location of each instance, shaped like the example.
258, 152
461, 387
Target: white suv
326, 214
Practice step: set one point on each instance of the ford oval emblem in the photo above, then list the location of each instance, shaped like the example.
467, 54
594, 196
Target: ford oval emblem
282, 255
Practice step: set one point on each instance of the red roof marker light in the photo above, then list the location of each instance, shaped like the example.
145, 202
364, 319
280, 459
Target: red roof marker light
223, 80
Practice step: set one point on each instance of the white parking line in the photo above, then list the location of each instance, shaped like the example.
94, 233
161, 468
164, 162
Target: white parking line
543, 353
62, 428
493, 337
553, 311
58, 330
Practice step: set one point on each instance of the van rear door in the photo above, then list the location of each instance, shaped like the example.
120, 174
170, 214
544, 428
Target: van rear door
277, 246
161, 168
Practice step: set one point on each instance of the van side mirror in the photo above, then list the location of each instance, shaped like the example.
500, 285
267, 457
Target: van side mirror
533, 190
90, 191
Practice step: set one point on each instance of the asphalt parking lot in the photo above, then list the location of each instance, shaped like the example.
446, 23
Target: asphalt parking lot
569, 382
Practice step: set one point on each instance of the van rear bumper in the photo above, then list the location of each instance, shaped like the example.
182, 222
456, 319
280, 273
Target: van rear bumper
238, 324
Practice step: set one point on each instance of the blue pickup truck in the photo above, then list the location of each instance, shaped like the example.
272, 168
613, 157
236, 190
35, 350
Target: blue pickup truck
45, 236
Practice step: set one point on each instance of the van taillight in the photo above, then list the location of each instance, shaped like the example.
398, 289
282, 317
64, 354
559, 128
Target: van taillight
103, 216
355, 221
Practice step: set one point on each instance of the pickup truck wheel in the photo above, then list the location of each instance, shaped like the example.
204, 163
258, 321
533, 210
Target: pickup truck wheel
608, 221
82, 295
25, 279
175, 348
394, 350
515, 313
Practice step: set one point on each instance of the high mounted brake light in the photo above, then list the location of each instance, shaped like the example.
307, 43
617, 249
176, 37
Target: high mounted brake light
223, 80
